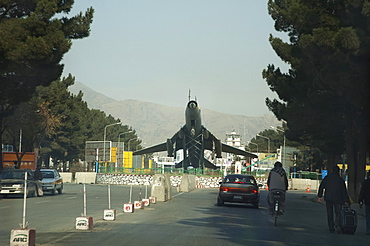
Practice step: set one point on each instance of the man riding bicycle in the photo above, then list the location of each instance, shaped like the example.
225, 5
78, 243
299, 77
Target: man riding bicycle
277, 181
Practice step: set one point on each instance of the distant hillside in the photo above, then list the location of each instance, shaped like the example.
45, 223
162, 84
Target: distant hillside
155, 123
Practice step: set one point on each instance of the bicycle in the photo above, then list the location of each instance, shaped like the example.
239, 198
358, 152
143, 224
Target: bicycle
276, 212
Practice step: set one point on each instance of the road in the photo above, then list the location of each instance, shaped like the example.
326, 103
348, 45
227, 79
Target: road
188, 219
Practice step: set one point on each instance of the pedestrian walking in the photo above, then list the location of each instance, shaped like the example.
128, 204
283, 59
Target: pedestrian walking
364, 198
335, 196
38, 177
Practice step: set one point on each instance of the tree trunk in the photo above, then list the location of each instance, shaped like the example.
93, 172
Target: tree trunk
356, 159
47, 161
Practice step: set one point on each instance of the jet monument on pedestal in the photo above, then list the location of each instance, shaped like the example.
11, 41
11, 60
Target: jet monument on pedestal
193, 138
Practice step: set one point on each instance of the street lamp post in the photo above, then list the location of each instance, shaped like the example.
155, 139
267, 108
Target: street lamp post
283, 154
268, 142
105, 134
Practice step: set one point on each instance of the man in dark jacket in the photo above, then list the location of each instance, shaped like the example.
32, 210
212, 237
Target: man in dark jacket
365, 196
335, 197
38, 177
277, 181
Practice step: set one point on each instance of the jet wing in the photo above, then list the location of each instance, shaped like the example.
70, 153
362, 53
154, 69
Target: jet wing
236, 151
167, 146
156, 148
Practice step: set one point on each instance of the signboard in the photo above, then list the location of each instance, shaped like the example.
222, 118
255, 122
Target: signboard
28, 160
94, 151
324, 173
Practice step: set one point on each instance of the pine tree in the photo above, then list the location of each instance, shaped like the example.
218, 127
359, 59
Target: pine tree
325, 95
33, 40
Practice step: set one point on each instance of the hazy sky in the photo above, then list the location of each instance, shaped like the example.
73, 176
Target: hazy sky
156, 50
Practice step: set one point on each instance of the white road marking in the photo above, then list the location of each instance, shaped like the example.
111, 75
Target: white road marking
43, 201
178, 194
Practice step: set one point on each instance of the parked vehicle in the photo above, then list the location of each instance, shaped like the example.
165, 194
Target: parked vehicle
51, 181
12, 182
239, 188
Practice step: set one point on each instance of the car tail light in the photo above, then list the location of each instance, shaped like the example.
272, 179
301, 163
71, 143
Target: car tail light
238, 190
224, 189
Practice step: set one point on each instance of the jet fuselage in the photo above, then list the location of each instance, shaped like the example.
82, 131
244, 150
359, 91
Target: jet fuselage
193, 122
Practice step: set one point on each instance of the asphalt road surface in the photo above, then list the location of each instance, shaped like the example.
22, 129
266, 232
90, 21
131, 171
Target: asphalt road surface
188, 219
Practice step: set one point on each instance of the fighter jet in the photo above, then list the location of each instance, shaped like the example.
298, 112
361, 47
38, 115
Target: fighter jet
193, 138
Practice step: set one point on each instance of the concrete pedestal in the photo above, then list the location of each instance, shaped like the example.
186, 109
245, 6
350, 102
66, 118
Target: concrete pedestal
146, 202
153, 199
109, 214
138, 204
128, 208
21, 237
84, 223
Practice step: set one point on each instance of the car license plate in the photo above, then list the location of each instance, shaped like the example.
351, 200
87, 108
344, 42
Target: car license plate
237, 197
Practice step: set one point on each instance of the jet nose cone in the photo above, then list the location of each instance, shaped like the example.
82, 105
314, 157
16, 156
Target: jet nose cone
192, 104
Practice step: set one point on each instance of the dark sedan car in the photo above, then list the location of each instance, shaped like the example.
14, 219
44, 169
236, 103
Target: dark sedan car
238, 188
12, 183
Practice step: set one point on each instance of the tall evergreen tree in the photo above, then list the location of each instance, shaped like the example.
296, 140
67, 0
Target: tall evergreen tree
325, 95
33, 40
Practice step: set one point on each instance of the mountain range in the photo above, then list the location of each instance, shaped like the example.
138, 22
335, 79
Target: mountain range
155, 123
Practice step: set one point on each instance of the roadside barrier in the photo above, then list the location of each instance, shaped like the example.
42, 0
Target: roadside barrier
109, 214
85, 177
23, 235
129, 207
84, 222
138, 205
67, 177
153, 199
146, 200
161, 188
187, 183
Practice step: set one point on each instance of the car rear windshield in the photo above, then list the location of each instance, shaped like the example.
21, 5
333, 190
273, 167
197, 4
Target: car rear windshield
47, 174
240, 180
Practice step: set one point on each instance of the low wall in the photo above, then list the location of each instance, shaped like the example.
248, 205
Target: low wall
303, 184
67, 177
200, 182
85, 177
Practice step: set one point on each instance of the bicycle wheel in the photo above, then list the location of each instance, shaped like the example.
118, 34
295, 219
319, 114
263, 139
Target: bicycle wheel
276, 217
